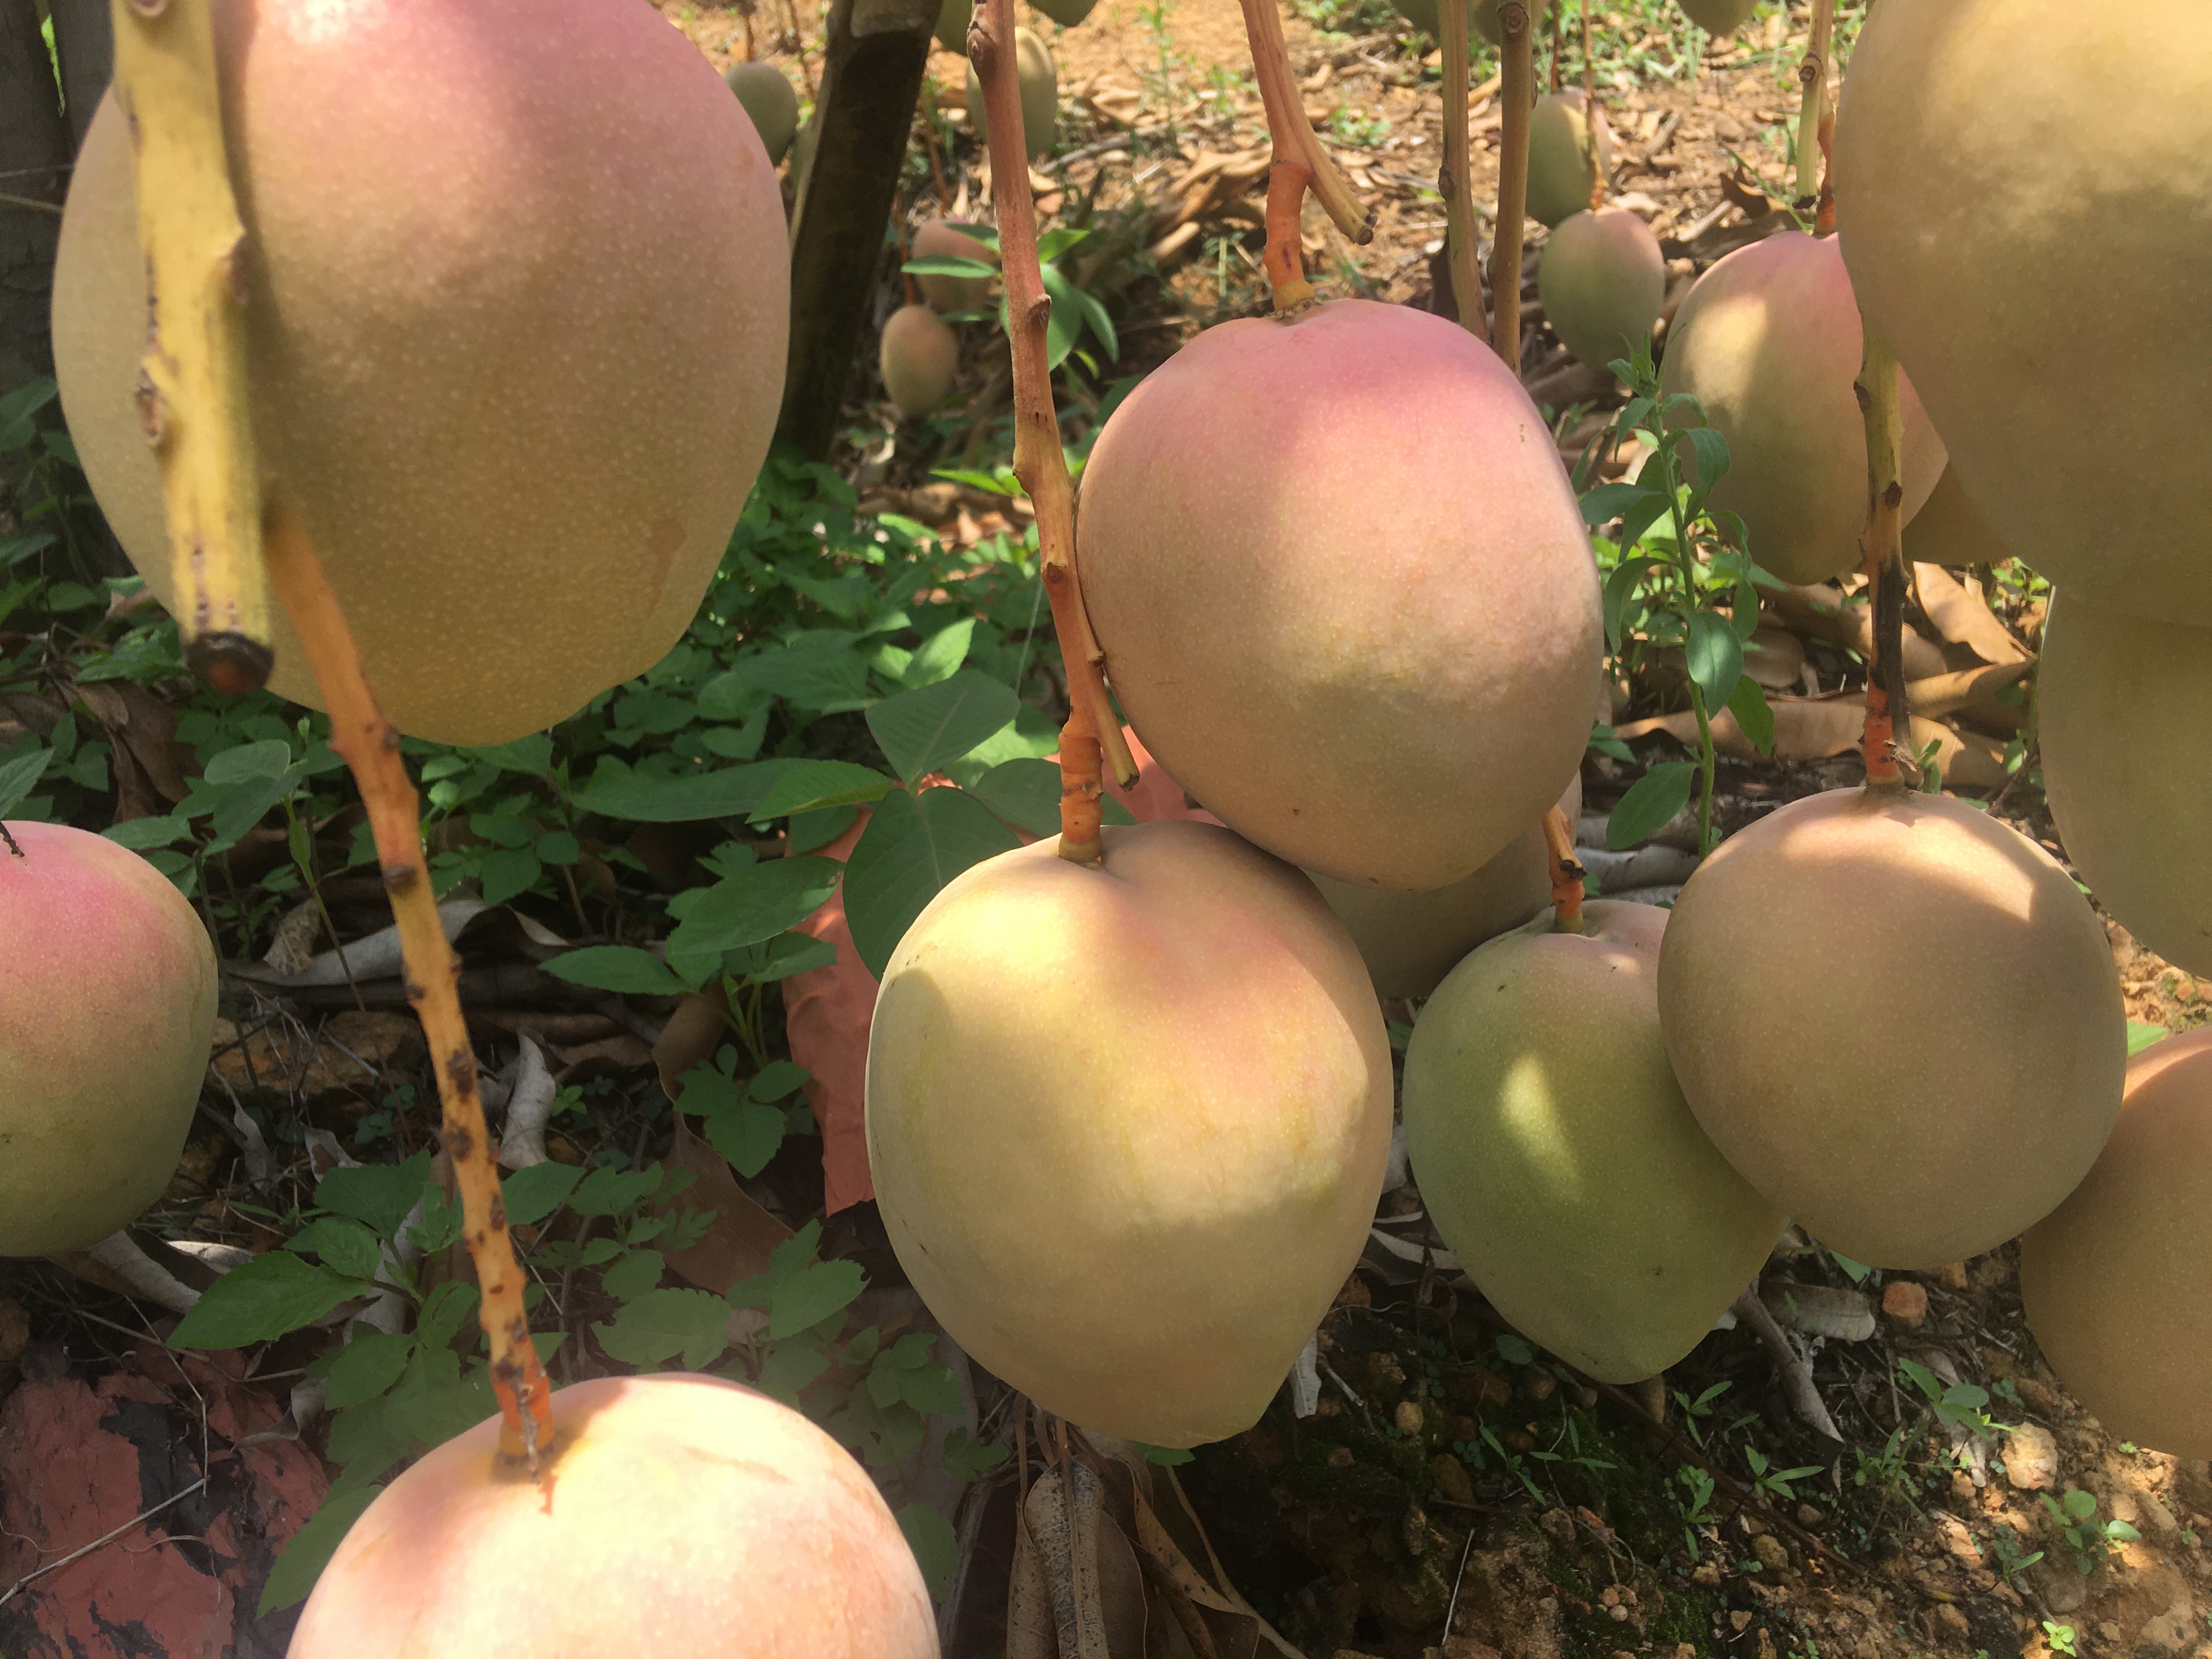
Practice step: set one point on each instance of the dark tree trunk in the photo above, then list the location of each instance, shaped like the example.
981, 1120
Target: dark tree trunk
870, 77
34, 157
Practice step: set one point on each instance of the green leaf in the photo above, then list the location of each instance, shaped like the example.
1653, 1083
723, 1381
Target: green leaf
380, 1194
931, 1387
2080, 1504
444, 1311
940, 655
660, 1323
811, 1295
820, 675
789, 1368
436, 1415
18, 405
532, 754
967, 1458
1708, 457
923, 729
139, 835
911, 848
779, 958
936, 1548
367, 1366
1065, 320
777, 1080
1714, 655
609, 1191
1653, 799
1747, 702
1167, 1456
2141, 1036
19, 776
752, 905
1608, 501
634, 1274
345, 1245
748, 1134
268, 1297
1619, 588
507, 873
1026, 794
301, 1561
617, 967
531, 1195
811, 786
948, 264
249, 762
641, 798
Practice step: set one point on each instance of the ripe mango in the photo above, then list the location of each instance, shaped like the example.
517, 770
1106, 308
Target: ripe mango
919, 356
1769, 341
766, 93
1942, 1063
2127, 767
1409, 941
2043, 281
1602, 282
933, 238
681, 1511
1557, 1155
107, 1001
1345, 592
1561, 179
2115, 1281
1040, 84
516, 316
1128, 1125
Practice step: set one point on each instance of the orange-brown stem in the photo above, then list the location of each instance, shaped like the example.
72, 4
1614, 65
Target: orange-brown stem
1292, 137
1517, 101
1881, 554
369, 743
1039, 461
1284, 258
1567, 872
1457, 181
1824, 211
1813, 109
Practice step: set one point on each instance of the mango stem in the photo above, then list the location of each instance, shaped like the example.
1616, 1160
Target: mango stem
1881, 552
1040, 463
369, 743
1457, 182
1295, 148
1813, 116
1516, 94
1567, 872
191, 392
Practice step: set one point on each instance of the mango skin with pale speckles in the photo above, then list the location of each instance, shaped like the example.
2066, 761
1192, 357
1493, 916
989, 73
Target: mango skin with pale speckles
516, 296
1128, 1125
1554, 1149
684, 1515
1343, 589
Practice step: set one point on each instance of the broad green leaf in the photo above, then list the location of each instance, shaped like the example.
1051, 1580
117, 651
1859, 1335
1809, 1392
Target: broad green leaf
18, 777
380, 1194
921, 731
948, 264
664, 1322
617, 967
532, 754
138, 834
1620, 587
777, 1080
967, 1458
1026, 794
257, 761
345, 1245
779, 958
1064, 322
811, 786
2140, 1036
18, 405
609, 1191
811, 1295
268, 1297
641, 798
936, 1548
1652, 800
1167, 1456
436, 1415
506, 873
1641, 516
445, 1310
531, 1194
1747, 702
633, 1275
814, 679
789, 1368
367, 1366
1608, 501
752, 905
748, 1134
1715, 656
1707, 457
301, 1561
912, 847
940, 655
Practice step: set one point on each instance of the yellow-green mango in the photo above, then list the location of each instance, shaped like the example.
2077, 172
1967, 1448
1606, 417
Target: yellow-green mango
1561, 179
1040, 84
1602, 282
766, 93
919, 356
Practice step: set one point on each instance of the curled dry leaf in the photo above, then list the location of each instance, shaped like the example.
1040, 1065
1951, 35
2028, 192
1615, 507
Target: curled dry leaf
529, 1107
374, 956
1824, 613
1962, 616
1842, 1316
738, 1241
117, 1263
1814, 728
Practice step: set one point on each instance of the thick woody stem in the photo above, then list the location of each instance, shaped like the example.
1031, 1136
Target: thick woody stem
1457, 182
1813, 109
1284, 261
191, 392
1882, 554
1567, 872
1039, 461
369, 743
1517, 96
1292, 137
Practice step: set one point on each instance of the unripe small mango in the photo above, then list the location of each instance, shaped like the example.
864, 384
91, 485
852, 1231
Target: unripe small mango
2116, 1281
1065, 13
1483, 14
1557, 1156
1602, 282
933, 238
108, 1003
919, 356
952, 21
1561, 179
1040, 84
767, 95
679, 1514
1718, 16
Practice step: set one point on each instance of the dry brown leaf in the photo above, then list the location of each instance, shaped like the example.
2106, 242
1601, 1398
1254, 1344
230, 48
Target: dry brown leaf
1942, 694
1774, 657
1814, 728
1030, 1633
1824, 613
1962, 614
738, 1241
1842, 1316
689, 1038
1063, 1510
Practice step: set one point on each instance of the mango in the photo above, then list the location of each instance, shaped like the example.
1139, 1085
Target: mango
1949, 530
933, 238
1602, 282
1422, 15
681, 1510
952, 21
1170, 1077
517, 298
1718, 16
2127, 767
1944, 1061
1039, 85
1558, 1157
1410, 941
108, 1003
767, 95
2114, 1281
1345, 592
1561, 178
2045, 285
1768, 340
1065, 13
919, 356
